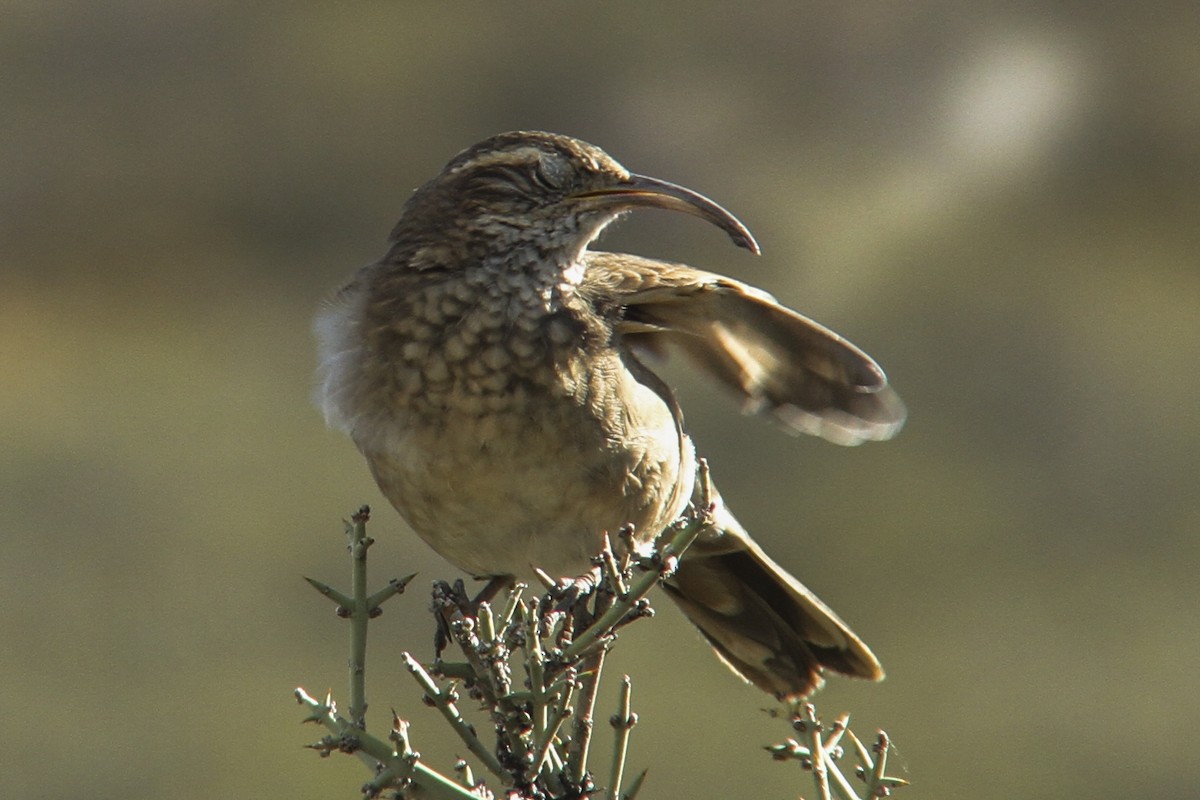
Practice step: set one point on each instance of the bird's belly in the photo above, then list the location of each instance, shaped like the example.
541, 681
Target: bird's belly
539, 485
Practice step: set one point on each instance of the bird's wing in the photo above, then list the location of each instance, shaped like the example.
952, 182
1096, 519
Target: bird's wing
780, 362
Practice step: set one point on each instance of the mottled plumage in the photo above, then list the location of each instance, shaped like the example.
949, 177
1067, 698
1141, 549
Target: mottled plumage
488, 368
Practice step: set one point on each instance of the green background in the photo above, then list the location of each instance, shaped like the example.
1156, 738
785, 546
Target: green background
997, 200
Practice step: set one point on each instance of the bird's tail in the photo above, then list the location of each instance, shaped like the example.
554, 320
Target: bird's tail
767, 626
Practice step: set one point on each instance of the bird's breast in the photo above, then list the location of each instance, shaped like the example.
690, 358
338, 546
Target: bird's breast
506, 428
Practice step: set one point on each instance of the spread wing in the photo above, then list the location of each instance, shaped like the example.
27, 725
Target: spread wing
780, 362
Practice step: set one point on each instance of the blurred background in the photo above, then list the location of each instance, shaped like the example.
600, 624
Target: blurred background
997, 200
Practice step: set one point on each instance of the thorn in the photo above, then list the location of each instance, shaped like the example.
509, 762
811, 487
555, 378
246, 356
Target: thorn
545, 579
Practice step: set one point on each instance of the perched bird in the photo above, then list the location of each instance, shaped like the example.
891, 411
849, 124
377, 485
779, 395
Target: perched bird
490, 369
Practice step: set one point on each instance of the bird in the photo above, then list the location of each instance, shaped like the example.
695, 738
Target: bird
494, 371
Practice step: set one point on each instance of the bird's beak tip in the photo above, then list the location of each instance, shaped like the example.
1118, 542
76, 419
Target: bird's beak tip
640, 190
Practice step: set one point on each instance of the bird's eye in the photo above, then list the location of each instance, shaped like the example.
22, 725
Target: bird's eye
550, 173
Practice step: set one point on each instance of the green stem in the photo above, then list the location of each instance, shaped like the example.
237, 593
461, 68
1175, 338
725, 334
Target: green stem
623, 721
374, 751
640, 587
635, 786
395, 586
360, 612
445, 703
343, 601
581, 738
820, 760
844, 790
546, 737
535, 659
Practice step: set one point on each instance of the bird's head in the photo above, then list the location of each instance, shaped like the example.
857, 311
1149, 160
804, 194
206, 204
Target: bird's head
540, 190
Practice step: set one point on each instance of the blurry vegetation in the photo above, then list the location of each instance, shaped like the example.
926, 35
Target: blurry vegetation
997, 201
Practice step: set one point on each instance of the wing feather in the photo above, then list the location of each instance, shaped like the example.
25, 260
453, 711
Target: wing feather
780, 362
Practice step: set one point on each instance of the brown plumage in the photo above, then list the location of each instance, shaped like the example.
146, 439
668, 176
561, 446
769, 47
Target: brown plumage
488, 368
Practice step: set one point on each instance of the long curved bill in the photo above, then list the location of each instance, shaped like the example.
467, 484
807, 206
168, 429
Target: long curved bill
644, 191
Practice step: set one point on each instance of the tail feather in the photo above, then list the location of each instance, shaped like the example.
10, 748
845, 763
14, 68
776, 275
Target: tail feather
763, 623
